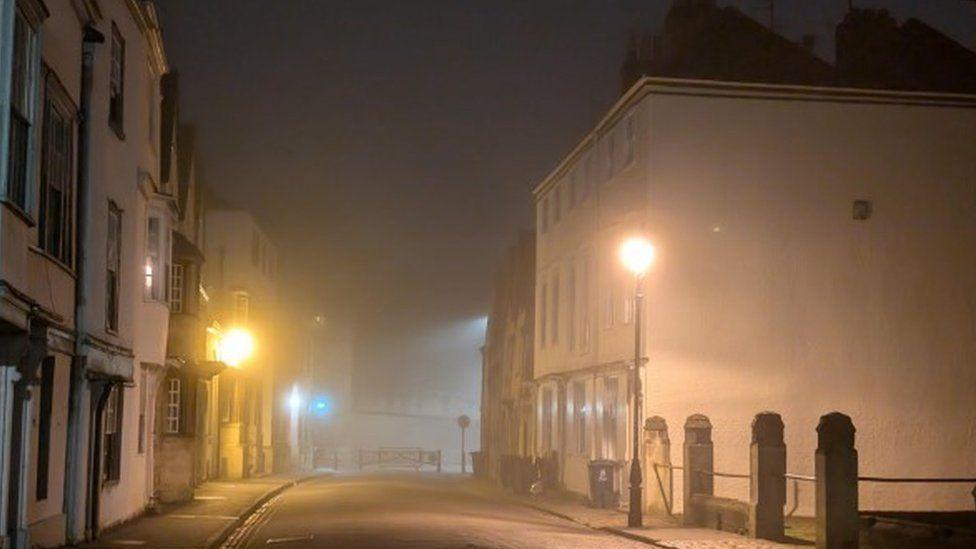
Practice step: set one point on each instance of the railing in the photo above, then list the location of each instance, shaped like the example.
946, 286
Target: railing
415, 458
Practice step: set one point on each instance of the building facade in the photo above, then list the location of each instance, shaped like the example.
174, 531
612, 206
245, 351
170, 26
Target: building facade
811, 257
507, 394
241, 272
107, 345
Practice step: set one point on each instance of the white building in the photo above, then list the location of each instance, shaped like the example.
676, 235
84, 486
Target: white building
815, 253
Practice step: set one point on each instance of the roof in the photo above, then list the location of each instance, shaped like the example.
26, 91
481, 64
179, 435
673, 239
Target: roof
713, 88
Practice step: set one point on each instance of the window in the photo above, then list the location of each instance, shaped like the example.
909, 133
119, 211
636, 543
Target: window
544, 210
580, 411
611, 392
44, 427
173, 401
558, 206
21, 110
554, 321
631, 145
143, 389
56, 226
628, 310
547, 405
241, 308
255, 248
113, 267
585, 324
573, 184
571, 306
116, 105
543, 314
112, 434
157, 256
609, 308
176, 288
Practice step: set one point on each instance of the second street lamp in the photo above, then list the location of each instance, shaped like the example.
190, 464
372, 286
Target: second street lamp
637, 254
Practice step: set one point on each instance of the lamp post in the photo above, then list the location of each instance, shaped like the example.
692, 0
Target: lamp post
637, 254
463, 422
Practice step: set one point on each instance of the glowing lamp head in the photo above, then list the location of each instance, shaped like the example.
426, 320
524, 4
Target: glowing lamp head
294, 400
637, 254
236, 346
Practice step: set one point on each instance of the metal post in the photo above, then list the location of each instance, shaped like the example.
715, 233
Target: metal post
635, 517
463, 461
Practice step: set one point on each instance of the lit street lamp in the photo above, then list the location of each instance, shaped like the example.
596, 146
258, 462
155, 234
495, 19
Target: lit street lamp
637, 254
236, 346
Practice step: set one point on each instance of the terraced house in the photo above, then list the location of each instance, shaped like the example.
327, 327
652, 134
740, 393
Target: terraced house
812, 256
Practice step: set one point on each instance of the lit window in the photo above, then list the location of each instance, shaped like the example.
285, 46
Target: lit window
157, 256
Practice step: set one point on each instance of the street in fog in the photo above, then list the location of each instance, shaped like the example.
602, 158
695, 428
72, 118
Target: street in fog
410, 510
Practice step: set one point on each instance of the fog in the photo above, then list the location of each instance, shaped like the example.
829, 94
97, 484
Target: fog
390, 148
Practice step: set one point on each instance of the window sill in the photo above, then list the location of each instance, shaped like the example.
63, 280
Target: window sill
57, 262
117, 130
18, 211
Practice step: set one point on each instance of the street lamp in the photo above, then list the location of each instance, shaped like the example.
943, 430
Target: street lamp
236, 346
637, 255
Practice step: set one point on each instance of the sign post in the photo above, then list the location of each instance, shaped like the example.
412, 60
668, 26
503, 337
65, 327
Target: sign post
463, 421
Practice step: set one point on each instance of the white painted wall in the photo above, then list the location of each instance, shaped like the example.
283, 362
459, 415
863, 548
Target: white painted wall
767, 294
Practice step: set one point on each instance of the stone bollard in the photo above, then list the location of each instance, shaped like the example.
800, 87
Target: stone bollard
767, 481
698, 456
657, 451
838, 524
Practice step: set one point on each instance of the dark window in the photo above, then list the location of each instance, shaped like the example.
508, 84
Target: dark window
21, 98
116, 105
112, 438
113, 267
57, 177
44, 427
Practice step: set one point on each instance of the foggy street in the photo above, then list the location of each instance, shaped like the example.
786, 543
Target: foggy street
408, 510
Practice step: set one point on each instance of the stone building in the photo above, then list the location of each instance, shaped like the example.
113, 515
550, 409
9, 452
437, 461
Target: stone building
241, 272
507, 376
86, 219
812, 256
185, 440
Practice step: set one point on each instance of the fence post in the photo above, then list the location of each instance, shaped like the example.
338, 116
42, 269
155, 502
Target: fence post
698, 456
838, 524
657, 451
767, 483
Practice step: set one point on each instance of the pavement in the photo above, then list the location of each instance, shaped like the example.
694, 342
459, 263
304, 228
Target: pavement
215, 511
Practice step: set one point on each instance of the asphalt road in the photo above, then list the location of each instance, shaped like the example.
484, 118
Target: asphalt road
411, 510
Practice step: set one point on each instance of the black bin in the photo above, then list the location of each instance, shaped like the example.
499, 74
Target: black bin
603, 489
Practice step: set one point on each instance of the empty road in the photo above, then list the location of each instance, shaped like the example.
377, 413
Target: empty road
412, 510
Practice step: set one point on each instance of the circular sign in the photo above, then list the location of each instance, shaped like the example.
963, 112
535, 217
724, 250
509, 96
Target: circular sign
464, 421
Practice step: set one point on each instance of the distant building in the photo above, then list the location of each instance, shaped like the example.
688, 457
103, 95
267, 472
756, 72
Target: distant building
241, 273
814, 254
507, 396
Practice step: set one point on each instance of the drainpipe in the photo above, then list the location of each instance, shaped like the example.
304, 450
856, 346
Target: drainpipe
76, 456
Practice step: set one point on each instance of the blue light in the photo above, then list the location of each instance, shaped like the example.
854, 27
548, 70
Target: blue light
321, 405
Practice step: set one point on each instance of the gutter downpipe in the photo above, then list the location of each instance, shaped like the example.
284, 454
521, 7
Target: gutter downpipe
77, 460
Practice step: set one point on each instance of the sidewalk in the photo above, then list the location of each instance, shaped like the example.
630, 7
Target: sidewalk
660, 532
216, 508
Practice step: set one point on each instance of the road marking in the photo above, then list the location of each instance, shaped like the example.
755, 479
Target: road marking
292, 539
221, 517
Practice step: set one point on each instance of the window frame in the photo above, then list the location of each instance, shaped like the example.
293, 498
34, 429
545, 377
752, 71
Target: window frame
177, 282
113, 285
112, 439
45, 411
157, 254
22, 109
57, 102
116, 85
174, 402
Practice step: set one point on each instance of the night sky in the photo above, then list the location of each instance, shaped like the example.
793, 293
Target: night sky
390, 147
